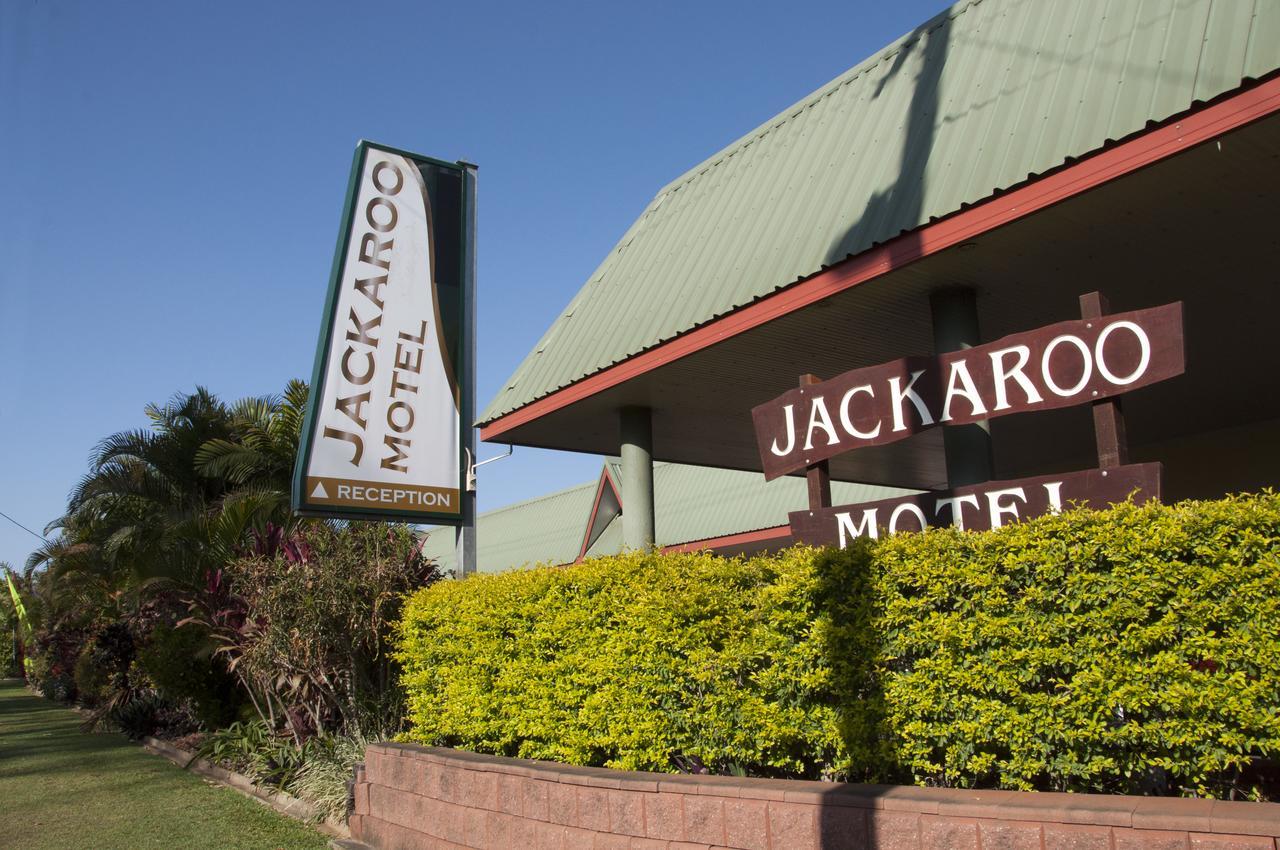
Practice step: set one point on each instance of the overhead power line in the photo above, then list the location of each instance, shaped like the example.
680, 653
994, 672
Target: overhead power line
39, 537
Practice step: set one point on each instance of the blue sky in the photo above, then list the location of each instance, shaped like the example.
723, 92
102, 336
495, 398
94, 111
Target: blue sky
173, 177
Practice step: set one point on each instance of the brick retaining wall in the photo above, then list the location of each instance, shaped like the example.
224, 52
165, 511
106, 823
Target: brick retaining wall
414, 798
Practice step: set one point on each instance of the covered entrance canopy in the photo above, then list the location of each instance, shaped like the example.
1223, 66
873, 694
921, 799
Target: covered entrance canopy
1027, 150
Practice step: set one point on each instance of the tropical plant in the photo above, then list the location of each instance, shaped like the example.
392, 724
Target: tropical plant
327, 767
256, 460
181, 664
254, 749
306, 631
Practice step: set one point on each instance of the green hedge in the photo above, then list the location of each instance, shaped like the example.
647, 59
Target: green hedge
1132, 650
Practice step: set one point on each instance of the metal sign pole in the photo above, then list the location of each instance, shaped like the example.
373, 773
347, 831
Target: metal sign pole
466, 532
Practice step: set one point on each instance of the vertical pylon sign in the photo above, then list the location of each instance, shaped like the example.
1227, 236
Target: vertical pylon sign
383, 433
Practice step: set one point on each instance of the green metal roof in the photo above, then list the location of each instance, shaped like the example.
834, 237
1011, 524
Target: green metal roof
543, 530
691, 503
978, 99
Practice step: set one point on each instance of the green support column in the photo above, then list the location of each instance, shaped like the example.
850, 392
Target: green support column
637, 478
955, 326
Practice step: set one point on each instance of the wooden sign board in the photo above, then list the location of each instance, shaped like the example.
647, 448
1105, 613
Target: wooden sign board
1060, 365
978, 507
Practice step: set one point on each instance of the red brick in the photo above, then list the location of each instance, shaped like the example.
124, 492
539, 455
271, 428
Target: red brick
481, 789
894, 831
362, 798
746, 824
1150, 839
1231, 842
562, 803
609, 841
793, 825
1009, 835
374, 766
524, 833
548, 836
402, 773
593, 808
390, 836
476, 825
943, 833
626, 812
535, 799
649, 844
687, 845
704, 819
578, 839
448, 784
1062, 836
842, 828
384, 803
424, 778
510, 798
501, 827
452, 821
663, 816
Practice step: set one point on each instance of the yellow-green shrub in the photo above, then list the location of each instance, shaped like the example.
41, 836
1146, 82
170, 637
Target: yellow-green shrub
1130, 650
628, 662
1135, 649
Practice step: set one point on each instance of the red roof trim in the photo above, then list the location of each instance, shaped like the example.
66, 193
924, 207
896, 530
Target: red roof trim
776, 533
1151, 146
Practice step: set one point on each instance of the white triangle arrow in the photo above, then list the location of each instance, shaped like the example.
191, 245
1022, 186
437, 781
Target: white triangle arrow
319, 492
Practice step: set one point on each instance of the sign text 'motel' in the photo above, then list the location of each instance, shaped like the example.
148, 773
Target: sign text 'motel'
1060, 365
1065, 364
978, 507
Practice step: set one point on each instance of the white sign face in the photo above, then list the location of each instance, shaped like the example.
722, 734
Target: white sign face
385, 432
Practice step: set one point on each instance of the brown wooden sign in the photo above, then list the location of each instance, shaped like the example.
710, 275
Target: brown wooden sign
978, 507
1060, 365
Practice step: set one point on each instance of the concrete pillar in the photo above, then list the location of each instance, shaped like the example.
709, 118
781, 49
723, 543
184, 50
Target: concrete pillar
637, 478
955, 326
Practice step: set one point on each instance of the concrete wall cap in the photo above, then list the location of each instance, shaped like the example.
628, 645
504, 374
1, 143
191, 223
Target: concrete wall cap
1146, 813
1237, 817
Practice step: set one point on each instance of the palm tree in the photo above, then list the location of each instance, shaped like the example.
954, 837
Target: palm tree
256, 462
143, 512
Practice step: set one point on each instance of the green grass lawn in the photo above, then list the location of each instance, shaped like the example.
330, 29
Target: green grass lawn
61, 788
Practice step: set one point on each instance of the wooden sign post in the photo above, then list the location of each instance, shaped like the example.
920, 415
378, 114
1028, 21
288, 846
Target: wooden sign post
1108, 416
819, 474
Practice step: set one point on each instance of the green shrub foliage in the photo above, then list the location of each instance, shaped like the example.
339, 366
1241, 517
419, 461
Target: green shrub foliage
636, 662
182, 664
1133, 650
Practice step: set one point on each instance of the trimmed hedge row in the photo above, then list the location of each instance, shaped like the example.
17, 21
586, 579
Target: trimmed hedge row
1132, 650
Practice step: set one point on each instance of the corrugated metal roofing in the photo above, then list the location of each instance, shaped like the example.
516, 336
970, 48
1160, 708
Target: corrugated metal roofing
697, 502
544, 530
691, 503
974, 101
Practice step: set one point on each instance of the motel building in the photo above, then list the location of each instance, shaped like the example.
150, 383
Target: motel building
971, 181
